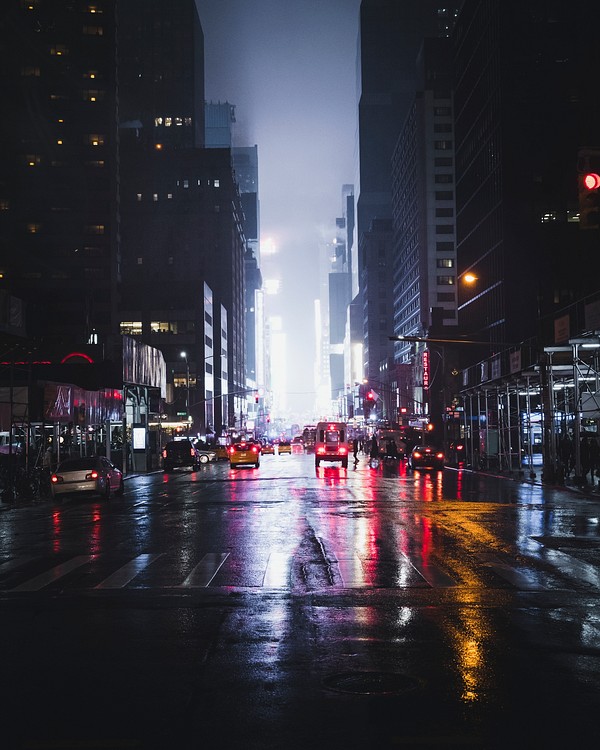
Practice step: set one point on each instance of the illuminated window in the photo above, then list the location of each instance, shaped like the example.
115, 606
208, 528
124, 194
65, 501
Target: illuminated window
92, 95
4, 204
163, 326
178, 121
95, 163
445, 280
187, 121
140, 261
138, 197
168, 122
59, 50
33, 228
186, 184
445, 263
94, 139
95, 9
30, 70
33, 160
158, 121
93, 30
155, 197
131, 328
94, 229
169, 196
217, 183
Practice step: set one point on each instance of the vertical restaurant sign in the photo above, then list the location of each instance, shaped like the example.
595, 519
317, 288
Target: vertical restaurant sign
426, 369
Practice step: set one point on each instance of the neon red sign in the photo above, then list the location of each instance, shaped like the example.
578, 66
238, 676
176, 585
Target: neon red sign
426, 369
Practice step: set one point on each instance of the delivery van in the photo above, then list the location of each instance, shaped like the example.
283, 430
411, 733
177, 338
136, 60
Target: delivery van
331, 443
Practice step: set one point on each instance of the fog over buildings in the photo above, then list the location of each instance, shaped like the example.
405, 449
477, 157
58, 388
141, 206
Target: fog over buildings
289, 69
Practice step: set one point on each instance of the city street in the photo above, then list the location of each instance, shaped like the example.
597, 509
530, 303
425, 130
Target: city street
288, 607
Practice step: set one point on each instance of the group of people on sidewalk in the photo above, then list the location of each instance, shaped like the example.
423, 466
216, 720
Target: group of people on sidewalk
373, 447
589, 457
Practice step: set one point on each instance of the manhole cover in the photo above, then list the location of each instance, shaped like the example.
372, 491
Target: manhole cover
371, 683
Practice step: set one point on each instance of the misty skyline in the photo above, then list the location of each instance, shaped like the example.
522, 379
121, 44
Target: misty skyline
289, 69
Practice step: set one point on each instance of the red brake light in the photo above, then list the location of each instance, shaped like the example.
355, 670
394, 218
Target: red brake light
54, 479
231, 450
343, 450
254, 449
94, 474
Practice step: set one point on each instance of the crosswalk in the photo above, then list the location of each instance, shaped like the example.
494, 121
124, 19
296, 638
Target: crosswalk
347, 570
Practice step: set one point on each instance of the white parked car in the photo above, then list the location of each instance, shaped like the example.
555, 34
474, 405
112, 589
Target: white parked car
95, 475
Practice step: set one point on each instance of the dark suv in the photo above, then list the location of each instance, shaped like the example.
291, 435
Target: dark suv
178, 453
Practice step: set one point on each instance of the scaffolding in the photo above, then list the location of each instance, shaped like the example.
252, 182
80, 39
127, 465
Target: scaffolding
519, 419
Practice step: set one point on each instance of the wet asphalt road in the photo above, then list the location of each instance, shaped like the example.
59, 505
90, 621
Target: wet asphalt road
291, 608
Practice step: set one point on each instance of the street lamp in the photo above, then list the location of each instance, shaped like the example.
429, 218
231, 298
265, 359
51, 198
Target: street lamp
187, 390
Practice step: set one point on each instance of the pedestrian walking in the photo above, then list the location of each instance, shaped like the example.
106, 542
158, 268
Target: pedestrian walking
374, 453
355, 449
594, 458
565, 449
584, 456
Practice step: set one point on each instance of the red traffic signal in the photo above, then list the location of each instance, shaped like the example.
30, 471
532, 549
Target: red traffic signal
370, 396
588, 185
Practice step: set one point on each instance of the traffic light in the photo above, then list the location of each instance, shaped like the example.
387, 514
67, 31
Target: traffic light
589, 189
370, 396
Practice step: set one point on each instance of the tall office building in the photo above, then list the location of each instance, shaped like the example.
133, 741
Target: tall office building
526, 103
390, 36
60, 250
161, 72
182, 221
423, 203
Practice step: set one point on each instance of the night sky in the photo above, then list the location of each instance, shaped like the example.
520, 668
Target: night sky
289, 68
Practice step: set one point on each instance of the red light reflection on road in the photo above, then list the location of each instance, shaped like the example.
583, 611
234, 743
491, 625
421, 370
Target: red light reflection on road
56, 531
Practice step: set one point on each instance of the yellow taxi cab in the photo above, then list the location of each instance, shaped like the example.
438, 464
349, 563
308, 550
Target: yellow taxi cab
244, 453
284, 446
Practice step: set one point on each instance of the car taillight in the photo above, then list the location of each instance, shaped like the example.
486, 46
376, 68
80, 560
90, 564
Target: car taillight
164, 453
191, 451
231, 450
254, 449
343, 451
55, 479
439, 455
92, 475
321, 450
417, 454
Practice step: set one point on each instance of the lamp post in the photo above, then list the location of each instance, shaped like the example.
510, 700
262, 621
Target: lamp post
187, 390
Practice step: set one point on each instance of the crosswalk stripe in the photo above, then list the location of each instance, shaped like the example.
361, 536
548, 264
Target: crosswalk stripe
9, 565
277, 572
203, 573
435, 577
350, 571
523, 579
54, 574
127, 573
